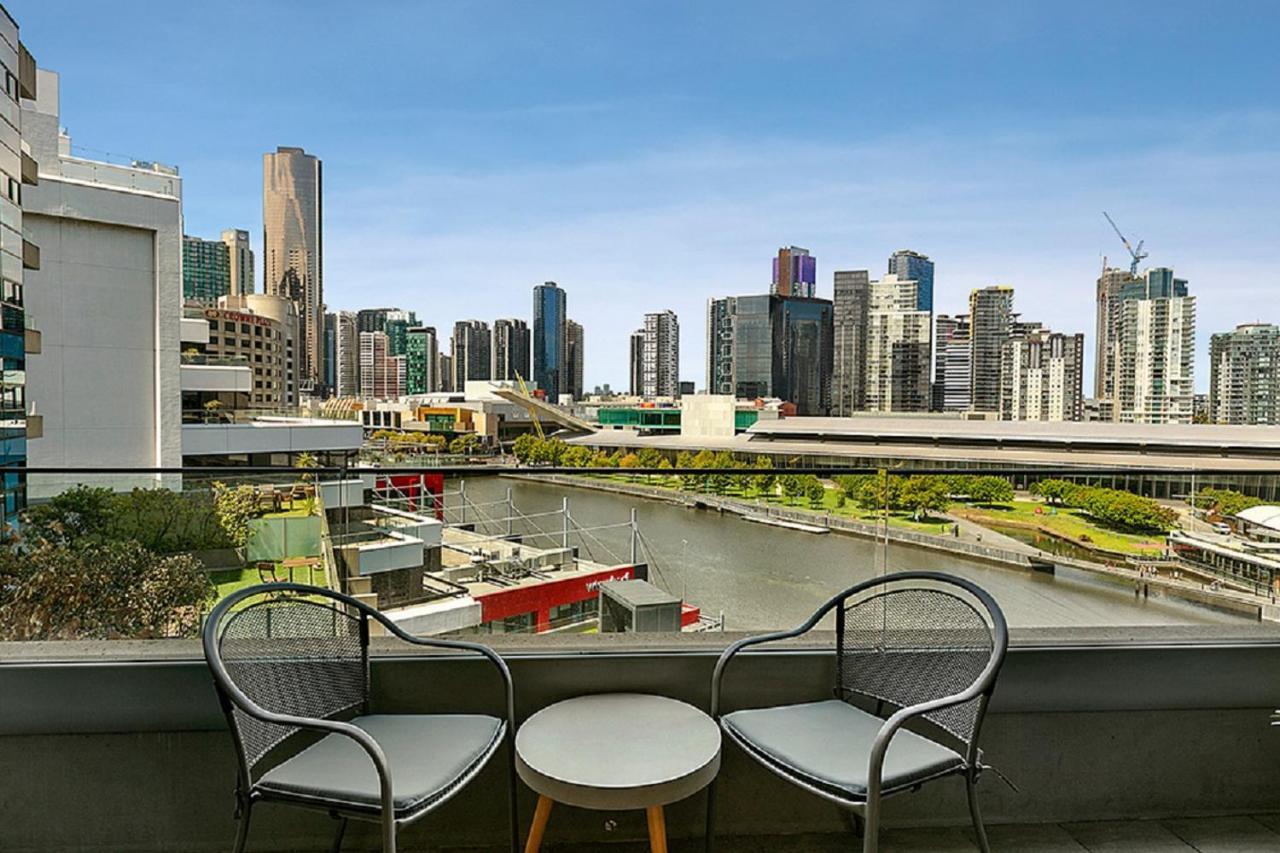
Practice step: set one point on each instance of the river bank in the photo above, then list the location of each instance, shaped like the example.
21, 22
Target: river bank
981, 546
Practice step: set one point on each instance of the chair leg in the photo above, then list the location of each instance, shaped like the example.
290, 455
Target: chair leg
710, 839
871, 828
971, 786
242, 831
513, 813
388, 832
337, 836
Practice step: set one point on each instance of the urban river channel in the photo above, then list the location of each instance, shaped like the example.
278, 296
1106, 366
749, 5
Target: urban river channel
764, 577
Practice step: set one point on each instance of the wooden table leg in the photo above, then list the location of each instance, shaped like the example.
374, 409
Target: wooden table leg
657, 829
540, 816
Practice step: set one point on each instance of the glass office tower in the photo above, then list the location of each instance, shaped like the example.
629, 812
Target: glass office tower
549, 345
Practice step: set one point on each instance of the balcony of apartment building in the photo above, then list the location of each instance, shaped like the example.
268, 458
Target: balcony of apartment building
1127, 717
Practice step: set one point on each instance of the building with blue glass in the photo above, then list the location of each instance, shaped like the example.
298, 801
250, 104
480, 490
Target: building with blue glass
17, 167
549, 344
913, 266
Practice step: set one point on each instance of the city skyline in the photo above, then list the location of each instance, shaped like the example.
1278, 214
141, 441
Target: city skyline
412, 217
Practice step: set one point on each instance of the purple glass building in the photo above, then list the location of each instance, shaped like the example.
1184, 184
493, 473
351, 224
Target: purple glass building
795, 273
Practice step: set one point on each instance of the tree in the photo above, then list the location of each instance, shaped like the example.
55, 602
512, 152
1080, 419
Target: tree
990, 490
79, 514
814, 491
1225, 502
880, 492
524, 447
104, 590
235, 506
792, 485
923, 495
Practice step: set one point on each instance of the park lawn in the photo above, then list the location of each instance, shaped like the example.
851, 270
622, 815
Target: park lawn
1067, 523
830, 501
228, 581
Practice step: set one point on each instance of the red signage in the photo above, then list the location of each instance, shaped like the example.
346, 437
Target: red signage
539, 598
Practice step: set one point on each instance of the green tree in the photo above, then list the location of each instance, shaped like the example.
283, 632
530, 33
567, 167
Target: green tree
235, 506
79, 514
922, 495
525, 447
880, 491
102, 591
814, 491
990, 490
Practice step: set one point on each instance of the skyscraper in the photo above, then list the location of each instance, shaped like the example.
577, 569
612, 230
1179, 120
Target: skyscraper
397, 325
794, 273
206, 270
444, 371
1111, 284
374, 319
510, 349
720, 345
549, 353
906, 264
660, 355
347, 350
422, 353
240, 261
330, 352
1042, 375
1153, 353
379, 372
1244, 375
635, 373
952, 368
574, 348
898, 347
472, 352
991, 321
778, 347
850, 315
293, 249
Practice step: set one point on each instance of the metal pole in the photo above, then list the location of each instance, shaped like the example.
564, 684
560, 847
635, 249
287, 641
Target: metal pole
511, 511
634, 537
462, 498
564, 523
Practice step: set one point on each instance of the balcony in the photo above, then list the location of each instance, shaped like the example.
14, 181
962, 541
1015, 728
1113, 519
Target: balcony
1129, 718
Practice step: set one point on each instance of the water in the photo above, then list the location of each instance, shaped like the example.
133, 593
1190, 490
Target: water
764, 577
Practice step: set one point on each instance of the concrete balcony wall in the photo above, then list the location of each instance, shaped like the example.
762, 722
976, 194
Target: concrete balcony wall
194, 331
1124, 727
217, 378
395, 551
270, 436
337, 494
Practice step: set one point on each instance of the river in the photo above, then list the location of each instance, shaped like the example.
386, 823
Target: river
764, 577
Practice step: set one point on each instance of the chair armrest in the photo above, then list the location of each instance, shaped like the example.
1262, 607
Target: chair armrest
338, 727
738, 646
880, 746
461, 645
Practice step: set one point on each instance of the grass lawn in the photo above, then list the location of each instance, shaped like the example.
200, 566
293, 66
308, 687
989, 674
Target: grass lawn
1067, 523
227, 582
830, 499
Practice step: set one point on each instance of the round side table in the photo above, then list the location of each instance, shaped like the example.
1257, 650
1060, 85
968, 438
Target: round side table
614, 751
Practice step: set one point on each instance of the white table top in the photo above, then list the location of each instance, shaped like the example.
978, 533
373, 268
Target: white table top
618, 751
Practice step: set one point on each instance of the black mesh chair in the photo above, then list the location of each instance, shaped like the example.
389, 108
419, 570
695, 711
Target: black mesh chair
291, 666
917, 655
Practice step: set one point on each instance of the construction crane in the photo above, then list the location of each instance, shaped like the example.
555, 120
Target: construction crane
524, 389
1136, 254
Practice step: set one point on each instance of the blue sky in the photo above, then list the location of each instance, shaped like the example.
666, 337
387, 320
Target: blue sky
650, 155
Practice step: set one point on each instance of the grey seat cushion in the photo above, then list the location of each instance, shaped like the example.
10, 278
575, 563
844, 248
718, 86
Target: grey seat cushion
426, 754
828, 745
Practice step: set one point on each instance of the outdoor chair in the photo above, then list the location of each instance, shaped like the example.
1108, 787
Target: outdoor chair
291, 666
917, 655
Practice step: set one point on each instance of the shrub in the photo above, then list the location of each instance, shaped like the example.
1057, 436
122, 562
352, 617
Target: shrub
101, 591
